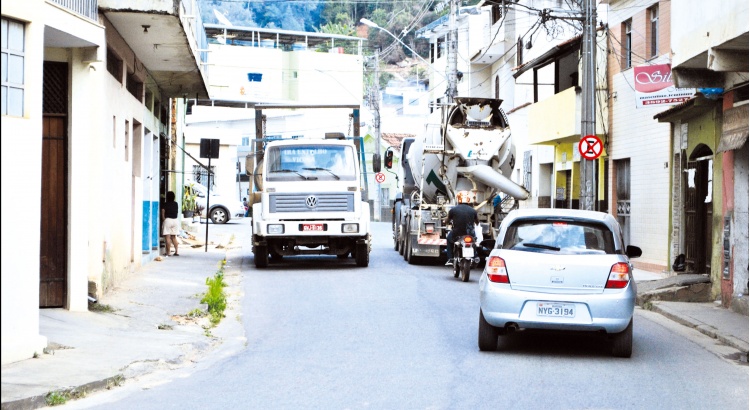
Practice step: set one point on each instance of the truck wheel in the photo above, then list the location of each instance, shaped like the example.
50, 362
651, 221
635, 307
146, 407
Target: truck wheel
465, 269
401, 243
276, 257
488, 335
413, 260
362, 255
261, 256
406, 248
395, 240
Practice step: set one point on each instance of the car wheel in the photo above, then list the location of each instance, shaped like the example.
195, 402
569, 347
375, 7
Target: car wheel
219, 215
465, 269
622, 343
261, 256
488, 335
361, 255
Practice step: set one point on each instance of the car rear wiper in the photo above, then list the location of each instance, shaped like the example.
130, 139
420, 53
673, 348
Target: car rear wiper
322, 169
540, 246
291, 170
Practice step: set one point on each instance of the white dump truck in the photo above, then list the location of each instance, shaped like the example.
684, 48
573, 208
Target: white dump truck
309, 199
466, 148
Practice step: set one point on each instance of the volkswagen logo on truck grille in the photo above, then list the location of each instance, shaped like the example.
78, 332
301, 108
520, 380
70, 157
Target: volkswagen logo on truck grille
311, 201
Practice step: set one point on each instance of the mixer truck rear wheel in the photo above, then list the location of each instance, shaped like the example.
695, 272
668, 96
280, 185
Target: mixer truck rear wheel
261, 256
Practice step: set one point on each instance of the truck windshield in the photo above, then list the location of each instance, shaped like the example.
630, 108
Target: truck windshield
312, 162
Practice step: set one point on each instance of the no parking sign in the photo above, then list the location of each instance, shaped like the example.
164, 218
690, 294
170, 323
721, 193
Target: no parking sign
379, 177
590, 147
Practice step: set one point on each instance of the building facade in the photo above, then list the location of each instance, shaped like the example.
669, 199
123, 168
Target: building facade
90, 99
708, 146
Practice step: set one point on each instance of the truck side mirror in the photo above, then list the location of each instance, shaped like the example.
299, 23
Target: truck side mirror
389, 158
376, 162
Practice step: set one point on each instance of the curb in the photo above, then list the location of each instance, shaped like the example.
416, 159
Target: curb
36, 402
707, 330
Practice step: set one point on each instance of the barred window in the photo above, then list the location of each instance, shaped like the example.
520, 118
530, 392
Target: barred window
135, 87
114, 65
13, 57
200, 176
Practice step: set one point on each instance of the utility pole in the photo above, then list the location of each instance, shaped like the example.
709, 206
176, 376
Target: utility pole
375, 101
452, 49
588, 106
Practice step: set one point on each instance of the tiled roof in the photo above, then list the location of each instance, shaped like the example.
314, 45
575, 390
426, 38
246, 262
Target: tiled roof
393, 139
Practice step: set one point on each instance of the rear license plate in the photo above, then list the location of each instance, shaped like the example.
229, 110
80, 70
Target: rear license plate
555, 309
313, 228
467, 252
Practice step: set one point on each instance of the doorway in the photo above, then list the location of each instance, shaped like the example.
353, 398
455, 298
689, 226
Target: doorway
53, 244
698, 210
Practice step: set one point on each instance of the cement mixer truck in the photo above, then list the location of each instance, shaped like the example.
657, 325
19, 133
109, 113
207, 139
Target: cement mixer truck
465, 149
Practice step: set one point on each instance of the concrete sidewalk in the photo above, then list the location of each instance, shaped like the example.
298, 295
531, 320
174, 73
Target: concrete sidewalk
728, 327
149, 329
140, 327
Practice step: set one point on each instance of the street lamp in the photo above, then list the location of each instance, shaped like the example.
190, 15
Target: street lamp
373, 25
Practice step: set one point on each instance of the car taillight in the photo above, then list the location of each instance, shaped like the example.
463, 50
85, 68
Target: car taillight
619, 276
496, 271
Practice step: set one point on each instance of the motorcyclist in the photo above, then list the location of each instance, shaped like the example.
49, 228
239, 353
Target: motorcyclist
463, 217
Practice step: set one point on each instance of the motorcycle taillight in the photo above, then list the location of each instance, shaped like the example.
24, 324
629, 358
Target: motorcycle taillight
468, 239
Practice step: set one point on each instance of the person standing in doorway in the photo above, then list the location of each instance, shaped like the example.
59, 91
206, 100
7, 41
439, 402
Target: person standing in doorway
170, 224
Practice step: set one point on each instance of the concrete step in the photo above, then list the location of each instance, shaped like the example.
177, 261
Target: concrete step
680, 288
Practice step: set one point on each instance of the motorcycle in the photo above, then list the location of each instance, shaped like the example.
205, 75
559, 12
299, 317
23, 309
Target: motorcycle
464, 257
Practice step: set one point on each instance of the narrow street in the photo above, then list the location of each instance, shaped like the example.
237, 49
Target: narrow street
322, 333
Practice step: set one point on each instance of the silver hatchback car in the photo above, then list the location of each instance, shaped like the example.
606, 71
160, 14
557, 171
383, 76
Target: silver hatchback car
559, 269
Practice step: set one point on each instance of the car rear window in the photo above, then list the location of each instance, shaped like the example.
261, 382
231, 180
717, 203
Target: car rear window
559, 236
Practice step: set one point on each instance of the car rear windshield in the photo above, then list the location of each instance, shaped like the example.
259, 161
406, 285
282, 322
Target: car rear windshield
559, 236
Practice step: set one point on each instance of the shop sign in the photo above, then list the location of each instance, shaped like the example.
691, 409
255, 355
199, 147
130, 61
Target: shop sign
654, 86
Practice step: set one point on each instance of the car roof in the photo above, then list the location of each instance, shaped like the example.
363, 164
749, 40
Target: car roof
580, 214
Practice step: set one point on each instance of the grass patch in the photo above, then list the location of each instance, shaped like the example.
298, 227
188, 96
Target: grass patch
57, 398
98, 307
215, 298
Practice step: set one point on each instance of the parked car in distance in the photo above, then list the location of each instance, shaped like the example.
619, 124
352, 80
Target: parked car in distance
222, 209
559, 270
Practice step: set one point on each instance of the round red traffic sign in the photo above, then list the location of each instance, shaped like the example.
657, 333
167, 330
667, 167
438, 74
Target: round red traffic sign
590, 147
379, 177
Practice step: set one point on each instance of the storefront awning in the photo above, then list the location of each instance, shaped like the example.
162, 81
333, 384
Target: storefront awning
734, 128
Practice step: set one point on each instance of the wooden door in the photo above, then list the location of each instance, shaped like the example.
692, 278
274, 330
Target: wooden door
53, 252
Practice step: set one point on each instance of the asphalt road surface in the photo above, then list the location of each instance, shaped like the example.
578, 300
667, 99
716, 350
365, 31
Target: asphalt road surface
325, 334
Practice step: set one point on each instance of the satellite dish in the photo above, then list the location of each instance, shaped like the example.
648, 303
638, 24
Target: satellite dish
222, 18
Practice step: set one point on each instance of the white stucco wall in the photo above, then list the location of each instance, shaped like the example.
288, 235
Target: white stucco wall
635, 134
21, 181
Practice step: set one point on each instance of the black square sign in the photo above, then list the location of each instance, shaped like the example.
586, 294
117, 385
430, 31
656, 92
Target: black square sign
209, 148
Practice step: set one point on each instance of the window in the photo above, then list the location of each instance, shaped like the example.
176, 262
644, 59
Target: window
497, 13
114, 65
654, 14
200, 176
519, 51
127, 138
245, 141
497, 86
440, 46
13, 56
134, 86
627, 44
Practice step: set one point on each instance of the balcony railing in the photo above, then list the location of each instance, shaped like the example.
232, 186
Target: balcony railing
86, 8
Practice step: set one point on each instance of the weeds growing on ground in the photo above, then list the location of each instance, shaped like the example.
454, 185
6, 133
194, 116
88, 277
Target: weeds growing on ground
215, 298
56, 398
98, 307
